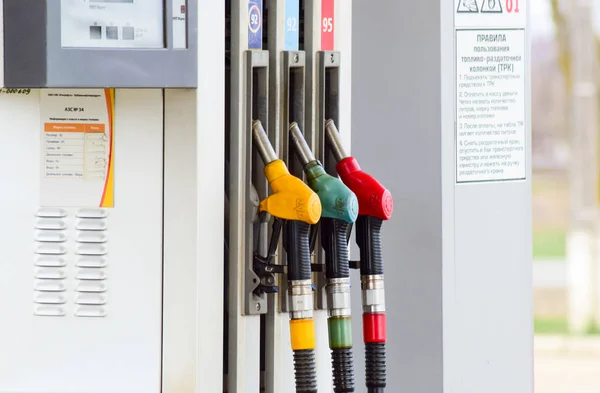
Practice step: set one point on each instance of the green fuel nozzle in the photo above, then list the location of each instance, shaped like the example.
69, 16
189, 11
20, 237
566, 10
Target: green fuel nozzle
337, 200
339, 211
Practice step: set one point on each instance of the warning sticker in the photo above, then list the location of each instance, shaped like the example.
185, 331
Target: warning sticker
467, 6
490, 105
491, 6
490, 13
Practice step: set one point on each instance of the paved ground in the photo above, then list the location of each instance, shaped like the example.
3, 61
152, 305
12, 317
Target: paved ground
567, 365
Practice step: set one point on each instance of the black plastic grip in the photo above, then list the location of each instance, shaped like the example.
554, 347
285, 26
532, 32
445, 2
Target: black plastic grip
297, 248
368, 239
335, 243
305, 370
375, 369
343, 370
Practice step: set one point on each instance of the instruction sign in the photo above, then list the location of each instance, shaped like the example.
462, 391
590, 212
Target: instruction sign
491, 71
490, 109
77, 152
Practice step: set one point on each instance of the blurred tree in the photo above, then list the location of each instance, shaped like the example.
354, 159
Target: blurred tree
562, 38
578, 60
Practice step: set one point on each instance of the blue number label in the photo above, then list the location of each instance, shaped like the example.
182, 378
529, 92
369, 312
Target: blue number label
292, 28
255, 24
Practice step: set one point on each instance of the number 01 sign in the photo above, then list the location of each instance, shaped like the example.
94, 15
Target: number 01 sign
512, 6
327, 24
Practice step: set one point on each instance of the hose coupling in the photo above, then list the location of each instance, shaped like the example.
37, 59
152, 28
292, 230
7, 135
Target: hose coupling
300, 299
373, 293
338, 297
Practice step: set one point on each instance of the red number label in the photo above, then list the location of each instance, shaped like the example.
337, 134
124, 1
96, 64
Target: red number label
512, 6
327, 24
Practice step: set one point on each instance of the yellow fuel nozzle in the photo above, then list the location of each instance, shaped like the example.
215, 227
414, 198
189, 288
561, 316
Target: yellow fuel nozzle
291, 199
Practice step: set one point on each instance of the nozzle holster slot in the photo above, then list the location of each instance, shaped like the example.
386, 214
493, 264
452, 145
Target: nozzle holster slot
293, 103
327, 107
328, 104
256, 107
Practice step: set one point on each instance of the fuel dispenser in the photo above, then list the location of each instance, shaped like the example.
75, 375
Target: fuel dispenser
173, 223
100, 43
125, 271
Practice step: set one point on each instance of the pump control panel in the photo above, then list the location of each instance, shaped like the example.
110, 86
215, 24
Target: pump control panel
111, 24
100, 43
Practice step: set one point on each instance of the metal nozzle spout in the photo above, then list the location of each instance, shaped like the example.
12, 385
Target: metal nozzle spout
262, 143
335, 141
305, 155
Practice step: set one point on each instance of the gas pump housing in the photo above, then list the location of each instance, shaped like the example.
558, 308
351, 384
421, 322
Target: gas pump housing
100, 43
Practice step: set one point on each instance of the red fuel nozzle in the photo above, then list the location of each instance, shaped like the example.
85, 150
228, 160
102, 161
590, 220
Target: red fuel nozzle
373, 199
375, 205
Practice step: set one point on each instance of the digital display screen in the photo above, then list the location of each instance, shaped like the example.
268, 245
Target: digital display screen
112, 24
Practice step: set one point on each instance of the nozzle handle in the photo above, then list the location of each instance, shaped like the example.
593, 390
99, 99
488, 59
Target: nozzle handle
368, 239
297, 247
335, 243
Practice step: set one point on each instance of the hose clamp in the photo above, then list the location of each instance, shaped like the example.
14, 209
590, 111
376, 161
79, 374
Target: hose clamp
338, 297
300, 299
373, 293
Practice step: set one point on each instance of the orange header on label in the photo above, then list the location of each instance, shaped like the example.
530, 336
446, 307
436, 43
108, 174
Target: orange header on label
63, 127
69, 127
94, 128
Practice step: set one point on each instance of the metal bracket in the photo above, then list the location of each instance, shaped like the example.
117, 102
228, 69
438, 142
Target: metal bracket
256, 187
327, 107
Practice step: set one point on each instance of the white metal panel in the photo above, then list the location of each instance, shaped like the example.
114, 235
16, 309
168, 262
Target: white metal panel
343, 43
193, 222
193, 227
193, 283
181, 260
488, 308
451, 324
457, 258
1, 44
210, 185
244, 330
122, 351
